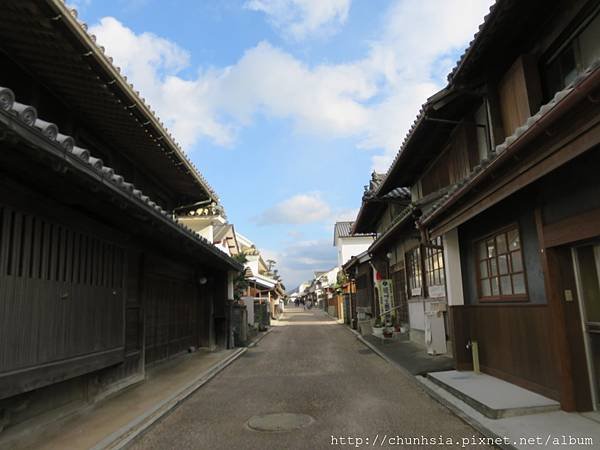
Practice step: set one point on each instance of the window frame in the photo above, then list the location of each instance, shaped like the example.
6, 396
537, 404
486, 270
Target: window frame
565, 40
501, 298
416, 270
432, 252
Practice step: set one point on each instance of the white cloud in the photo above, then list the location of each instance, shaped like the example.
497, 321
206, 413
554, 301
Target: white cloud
412, 53
343, 215
373, 99
152, 64
299, 19
323, 99
79, 5
305, 208
299, 209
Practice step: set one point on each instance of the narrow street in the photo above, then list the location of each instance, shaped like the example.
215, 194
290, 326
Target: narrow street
307, 365
299, 224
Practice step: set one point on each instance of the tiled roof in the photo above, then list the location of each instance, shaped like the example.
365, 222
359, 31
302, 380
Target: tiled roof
476, 38
343, 229
398, 221
398, 193
374, 183
501, 150
415, 125
13, 114
220, 231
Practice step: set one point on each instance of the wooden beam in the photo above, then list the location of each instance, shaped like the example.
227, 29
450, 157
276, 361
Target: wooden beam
571, 229
30, 378
561, 343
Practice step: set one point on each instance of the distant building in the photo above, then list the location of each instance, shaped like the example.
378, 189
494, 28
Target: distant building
349, 244
209, 221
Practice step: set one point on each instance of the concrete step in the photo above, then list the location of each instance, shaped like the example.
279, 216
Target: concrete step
492, 397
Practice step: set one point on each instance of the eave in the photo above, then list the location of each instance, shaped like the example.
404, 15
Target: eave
585, 88
427, 137
370, 211
46, 39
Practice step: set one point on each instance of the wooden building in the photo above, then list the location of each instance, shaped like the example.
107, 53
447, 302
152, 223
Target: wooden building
97, 280
360, 289
510, 148
389, 219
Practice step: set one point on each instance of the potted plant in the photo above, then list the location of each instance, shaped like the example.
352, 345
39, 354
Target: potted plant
378, 328
388, 332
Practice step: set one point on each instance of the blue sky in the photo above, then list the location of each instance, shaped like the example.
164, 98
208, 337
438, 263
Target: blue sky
286, 106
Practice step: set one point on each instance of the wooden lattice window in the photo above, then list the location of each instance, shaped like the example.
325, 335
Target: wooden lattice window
500, 268
414, 274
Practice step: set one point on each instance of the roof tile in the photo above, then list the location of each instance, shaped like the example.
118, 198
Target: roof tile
28, 116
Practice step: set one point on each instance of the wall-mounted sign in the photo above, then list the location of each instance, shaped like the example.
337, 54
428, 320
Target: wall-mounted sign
415, 292
437, 291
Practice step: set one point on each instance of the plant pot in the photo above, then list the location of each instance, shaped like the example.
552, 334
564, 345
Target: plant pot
378, 331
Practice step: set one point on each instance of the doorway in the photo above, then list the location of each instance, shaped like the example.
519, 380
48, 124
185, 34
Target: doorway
586, 260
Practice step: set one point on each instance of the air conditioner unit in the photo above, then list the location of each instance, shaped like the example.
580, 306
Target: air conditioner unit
435, 329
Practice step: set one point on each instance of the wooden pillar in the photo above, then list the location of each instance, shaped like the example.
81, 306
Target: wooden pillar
559, 277
458, 314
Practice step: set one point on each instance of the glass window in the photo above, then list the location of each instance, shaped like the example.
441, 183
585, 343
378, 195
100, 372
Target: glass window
500, 266
578, 54
434, 263
482, 131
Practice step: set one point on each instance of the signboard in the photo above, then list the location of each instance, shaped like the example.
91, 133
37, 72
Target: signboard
437, 291
386, 299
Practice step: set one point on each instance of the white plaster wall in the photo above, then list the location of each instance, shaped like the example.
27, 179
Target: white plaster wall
452, 268
332, 276
252, 263
416, 315
230, 284
249, 302
206, 232
351, 247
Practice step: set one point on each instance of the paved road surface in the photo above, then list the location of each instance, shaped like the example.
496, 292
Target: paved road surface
309, 365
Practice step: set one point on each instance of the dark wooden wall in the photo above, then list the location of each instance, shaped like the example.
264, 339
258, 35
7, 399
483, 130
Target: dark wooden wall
400, 299
61, 296
364, 287
172, 309
538, 345
516, 343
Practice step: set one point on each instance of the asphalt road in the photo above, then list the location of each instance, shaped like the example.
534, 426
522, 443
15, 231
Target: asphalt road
309, 365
